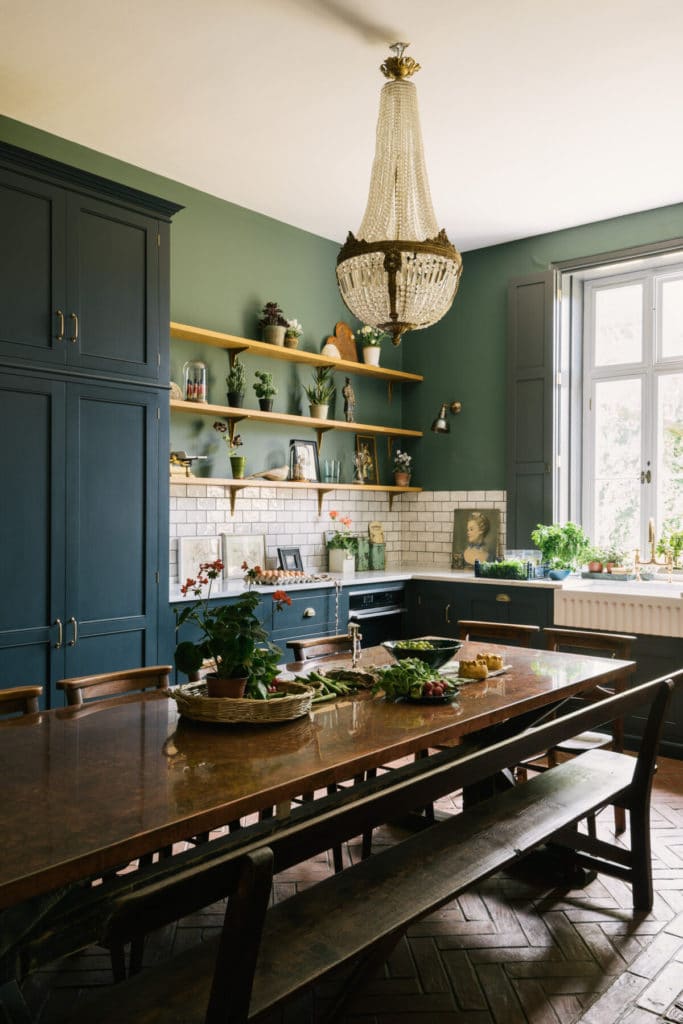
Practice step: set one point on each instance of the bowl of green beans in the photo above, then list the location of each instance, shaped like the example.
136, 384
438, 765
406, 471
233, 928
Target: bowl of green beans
434, 650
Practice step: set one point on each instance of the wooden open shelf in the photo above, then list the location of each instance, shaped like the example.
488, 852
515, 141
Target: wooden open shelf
297, 485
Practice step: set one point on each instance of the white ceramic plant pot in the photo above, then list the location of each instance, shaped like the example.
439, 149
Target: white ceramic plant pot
371, 355
341, 560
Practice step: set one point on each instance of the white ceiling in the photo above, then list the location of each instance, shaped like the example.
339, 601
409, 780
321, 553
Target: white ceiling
536, 115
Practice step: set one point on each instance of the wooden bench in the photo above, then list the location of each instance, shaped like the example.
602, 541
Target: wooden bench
358, 915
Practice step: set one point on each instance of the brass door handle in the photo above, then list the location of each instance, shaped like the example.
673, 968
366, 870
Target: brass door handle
646, 476
60, 634
309, 613
504, 598
59, 336
74, 336
446, 611
72, 643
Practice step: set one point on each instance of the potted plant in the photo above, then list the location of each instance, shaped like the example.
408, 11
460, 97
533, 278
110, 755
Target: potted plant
273, 324
341, 545
321, 392
293, 332
614, 557
402, 468
265, 390
237, 383
237, 462
563, 547
595, 558
671, 544
371, 338
229, 634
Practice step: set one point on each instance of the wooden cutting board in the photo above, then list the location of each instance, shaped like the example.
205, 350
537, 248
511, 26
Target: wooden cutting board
344, 340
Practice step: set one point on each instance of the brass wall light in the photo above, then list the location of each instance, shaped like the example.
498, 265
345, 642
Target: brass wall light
441, 424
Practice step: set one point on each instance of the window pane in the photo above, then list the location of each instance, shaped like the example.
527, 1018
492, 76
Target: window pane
672, 318
670, 447
619, 325
616, 509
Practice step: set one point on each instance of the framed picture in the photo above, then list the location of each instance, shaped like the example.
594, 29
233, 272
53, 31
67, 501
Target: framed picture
303, 461
366, 459
243, 547
475, 536
289, 558
192, 551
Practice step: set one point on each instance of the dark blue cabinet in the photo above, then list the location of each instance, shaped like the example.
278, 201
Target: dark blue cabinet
435, 607
79, 589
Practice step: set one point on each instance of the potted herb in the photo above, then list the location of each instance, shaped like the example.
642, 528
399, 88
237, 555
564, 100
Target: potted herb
671, 544
595, 559
371, 338
402, 468
273, 324
341, 545
321, 392
237, 462
237, 383
265, 390
614, 557
229, 633
563, 547
293, 332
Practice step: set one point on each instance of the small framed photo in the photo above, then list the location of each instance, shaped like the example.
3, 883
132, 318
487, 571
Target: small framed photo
242, 547
303, 461
290, 558
475, 536
193, 551
366, 458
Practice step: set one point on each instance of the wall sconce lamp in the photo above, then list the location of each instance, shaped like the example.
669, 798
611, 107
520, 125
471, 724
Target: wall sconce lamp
441, 424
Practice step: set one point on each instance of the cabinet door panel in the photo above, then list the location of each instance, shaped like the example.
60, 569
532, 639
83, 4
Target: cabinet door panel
114, 289
32, 269
112, 510
32, 563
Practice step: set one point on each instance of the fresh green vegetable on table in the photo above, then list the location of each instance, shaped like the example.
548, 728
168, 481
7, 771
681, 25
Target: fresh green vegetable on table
415, 645
334, 684
408, 678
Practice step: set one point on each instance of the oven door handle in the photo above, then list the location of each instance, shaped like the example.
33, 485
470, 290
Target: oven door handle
379, 614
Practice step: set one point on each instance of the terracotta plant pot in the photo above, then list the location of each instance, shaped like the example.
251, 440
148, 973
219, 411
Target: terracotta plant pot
595, 566
274, 334
216, 686
402, 479
238, 464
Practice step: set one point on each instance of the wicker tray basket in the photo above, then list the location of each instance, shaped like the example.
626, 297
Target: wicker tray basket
193, 703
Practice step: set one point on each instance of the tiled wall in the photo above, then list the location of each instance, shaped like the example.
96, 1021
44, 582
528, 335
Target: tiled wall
417, 531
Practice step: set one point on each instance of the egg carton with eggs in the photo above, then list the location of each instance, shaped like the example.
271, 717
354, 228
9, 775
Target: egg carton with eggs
289, 577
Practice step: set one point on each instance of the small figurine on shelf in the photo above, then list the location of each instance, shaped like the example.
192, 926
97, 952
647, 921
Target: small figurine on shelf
362, 464
349, 401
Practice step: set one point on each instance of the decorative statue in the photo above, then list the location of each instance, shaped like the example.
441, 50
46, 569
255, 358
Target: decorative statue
349, 401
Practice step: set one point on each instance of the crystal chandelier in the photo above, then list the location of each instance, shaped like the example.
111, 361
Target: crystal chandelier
401, 273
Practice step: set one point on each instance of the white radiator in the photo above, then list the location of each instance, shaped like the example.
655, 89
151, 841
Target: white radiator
619, 613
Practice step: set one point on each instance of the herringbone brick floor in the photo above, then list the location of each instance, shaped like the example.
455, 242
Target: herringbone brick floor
518, 948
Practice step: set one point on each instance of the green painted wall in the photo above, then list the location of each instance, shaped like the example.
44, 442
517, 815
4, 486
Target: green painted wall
463, 357
227, 261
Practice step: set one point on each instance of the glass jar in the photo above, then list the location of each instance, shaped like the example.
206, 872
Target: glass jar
194, 377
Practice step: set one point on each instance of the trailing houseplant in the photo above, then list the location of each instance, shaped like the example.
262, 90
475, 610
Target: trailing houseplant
236, 382
229, 635
265, 389
563, 547
321, 392
273, 324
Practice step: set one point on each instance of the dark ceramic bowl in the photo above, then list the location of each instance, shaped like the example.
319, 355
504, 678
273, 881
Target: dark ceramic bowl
441, 651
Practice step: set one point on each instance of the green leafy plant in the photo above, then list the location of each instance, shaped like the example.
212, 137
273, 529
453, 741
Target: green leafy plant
671, 543
321, 391
342, 538
402, 462
263, 385
294, 329
234, 443
229, 633
615, 555
272, 316
561, 546
237, 377
262, 671
372, 336
509, 569
404, 679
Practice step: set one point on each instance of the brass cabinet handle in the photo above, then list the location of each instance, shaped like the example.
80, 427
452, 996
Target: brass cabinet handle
505, 598
309, 613
59, 336
60, 634
72, 643
446, 610
74, 336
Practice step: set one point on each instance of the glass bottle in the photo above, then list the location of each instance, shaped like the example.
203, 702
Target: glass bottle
194, 377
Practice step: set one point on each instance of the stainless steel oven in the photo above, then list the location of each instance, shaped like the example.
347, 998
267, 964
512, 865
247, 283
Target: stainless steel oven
380, 613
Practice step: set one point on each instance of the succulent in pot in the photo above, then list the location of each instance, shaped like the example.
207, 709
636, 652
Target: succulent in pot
236, 382
321, 392
265, 389
273, 324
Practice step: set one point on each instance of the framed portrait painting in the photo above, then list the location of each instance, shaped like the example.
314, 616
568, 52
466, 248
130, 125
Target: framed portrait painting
475, 536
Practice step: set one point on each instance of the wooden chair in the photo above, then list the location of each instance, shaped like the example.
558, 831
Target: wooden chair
497, 632
606, 645
82, 689
320, 646
22, 700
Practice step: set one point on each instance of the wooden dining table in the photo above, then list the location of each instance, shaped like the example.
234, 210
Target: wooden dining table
87, 789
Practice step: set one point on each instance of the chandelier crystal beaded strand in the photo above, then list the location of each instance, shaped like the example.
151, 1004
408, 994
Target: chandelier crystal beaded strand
401, 273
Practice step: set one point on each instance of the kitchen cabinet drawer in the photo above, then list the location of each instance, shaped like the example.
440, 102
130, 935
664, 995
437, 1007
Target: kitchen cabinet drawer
437, 607
310, 614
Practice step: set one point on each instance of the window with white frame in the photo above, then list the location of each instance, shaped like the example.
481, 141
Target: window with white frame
632, 406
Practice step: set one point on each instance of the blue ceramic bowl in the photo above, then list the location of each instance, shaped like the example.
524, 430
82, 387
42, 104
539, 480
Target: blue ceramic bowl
441, 651
558, 574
